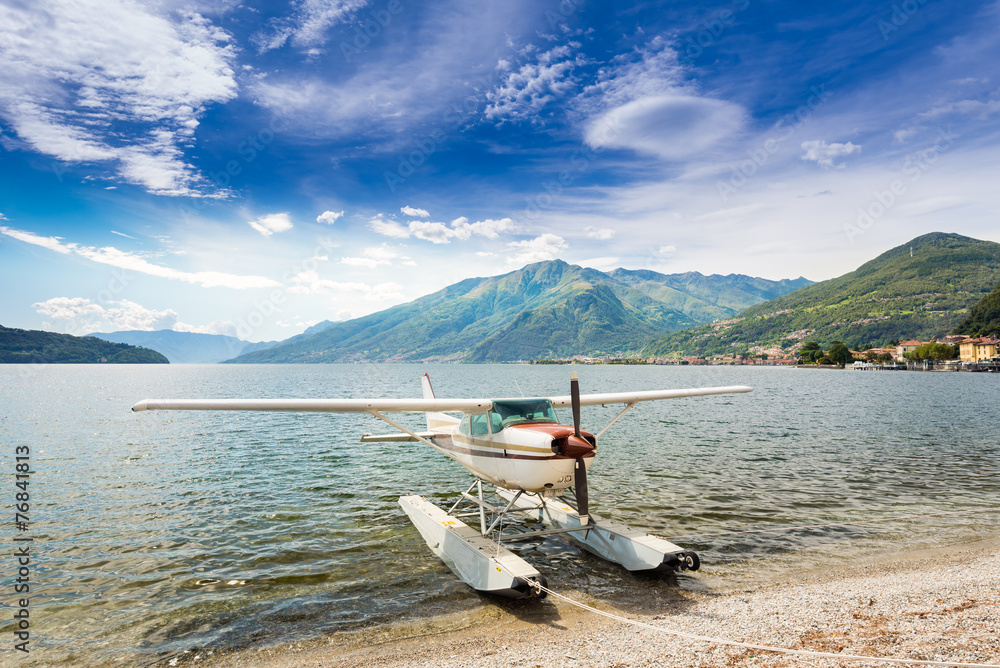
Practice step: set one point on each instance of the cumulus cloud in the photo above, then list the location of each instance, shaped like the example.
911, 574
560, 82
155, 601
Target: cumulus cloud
415, 213
539, 249
436, 233
825, 154
439, 233
329, 217
271, 223
115, 257
116, 82
83, 316
489, 228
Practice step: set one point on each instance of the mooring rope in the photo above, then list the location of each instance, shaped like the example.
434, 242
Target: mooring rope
836, 524
764, 648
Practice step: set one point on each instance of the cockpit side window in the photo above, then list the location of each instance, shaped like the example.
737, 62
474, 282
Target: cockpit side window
521, 411
479, 425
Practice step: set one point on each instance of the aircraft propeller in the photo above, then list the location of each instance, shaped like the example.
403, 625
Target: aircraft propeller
580, 472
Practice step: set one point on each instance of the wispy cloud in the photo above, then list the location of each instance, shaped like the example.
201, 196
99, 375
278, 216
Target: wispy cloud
115, 257
114, 81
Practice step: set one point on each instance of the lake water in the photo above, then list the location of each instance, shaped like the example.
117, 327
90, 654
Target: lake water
159, 532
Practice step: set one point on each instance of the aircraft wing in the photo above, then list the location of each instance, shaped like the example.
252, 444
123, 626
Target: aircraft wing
319, 405
649, 395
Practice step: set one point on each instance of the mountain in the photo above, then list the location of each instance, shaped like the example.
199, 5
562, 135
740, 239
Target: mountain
548, 309
185, 347
707, 298
984, 317
28, 346
918, 290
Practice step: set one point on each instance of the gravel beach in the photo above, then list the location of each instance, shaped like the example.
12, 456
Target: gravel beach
941, 605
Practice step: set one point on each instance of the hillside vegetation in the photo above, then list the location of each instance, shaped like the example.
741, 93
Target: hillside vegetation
918, 290
984, 317
27, 346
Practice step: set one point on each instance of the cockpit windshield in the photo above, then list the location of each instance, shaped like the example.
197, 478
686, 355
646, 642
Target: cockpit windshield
520, 411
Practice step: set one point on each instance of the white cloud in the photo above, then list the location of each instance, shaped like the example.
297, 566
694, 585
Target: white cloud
524, 92
307, 28
389, 228
539, 249
376, 256
83, 316
602, 234
824, 154
415, 213
666, 250
115, 257
439, 233
114, 81
488, 228
673, 126
329, 217
271, 223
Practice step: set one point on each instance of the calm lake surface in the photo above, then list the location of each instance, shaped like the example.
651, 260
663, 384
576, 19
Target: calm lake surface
159, 532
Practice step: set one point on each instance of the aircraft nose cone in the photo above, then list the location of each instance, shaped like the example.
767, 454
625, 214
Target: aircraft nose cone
572, 446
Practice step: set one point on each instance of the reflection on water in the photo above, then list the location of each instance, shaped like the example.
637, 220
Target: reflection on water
157, 532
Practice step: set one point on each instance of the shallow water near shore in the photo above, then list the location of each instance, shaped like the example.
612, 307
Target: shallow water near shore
156, 533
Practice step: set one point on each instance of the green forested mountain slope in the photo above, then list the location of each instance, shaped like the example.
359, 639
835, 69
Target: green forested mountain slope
918, 290
26, 346
547, 309
984, 317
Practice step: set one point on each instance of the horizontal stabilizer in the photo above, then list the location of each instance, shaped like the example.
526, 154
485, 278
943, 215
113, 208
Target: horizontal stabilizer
394, 438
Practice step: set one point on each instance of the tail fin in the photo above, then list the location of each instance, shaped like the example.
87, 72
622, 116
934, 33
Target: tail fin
435, 420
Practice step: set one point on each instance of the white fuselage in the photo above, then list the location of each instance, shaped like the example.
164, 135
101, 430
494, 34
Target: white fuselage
519, 457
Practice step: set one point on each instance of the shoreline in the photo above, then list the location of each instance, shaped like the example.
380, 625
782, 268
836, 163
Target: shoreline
940, 604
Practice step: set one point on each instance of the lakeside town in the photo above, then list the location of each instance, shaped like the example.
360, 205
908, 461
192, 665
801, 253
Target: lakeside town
953, 352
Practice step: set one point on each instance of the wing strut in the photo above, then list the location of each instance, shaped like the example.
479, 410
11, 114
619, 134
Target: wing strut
403, 429
625, 410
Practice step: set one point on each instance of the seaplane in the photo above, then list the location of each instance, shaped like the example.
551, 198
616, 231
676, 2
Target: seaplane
536, 465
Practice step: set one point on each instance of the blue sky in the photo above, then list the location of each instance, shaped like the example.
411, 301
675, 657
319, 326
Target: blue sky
252, 168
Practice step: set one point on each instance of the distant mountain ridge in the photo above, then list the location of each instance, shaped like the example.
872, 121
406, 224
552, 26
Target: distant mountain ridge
30, 346
546, 309
918, 290
185, 347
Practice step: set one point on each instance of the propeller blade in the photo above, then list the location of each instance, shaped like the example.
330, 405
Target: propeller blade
580, 483
574, 393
